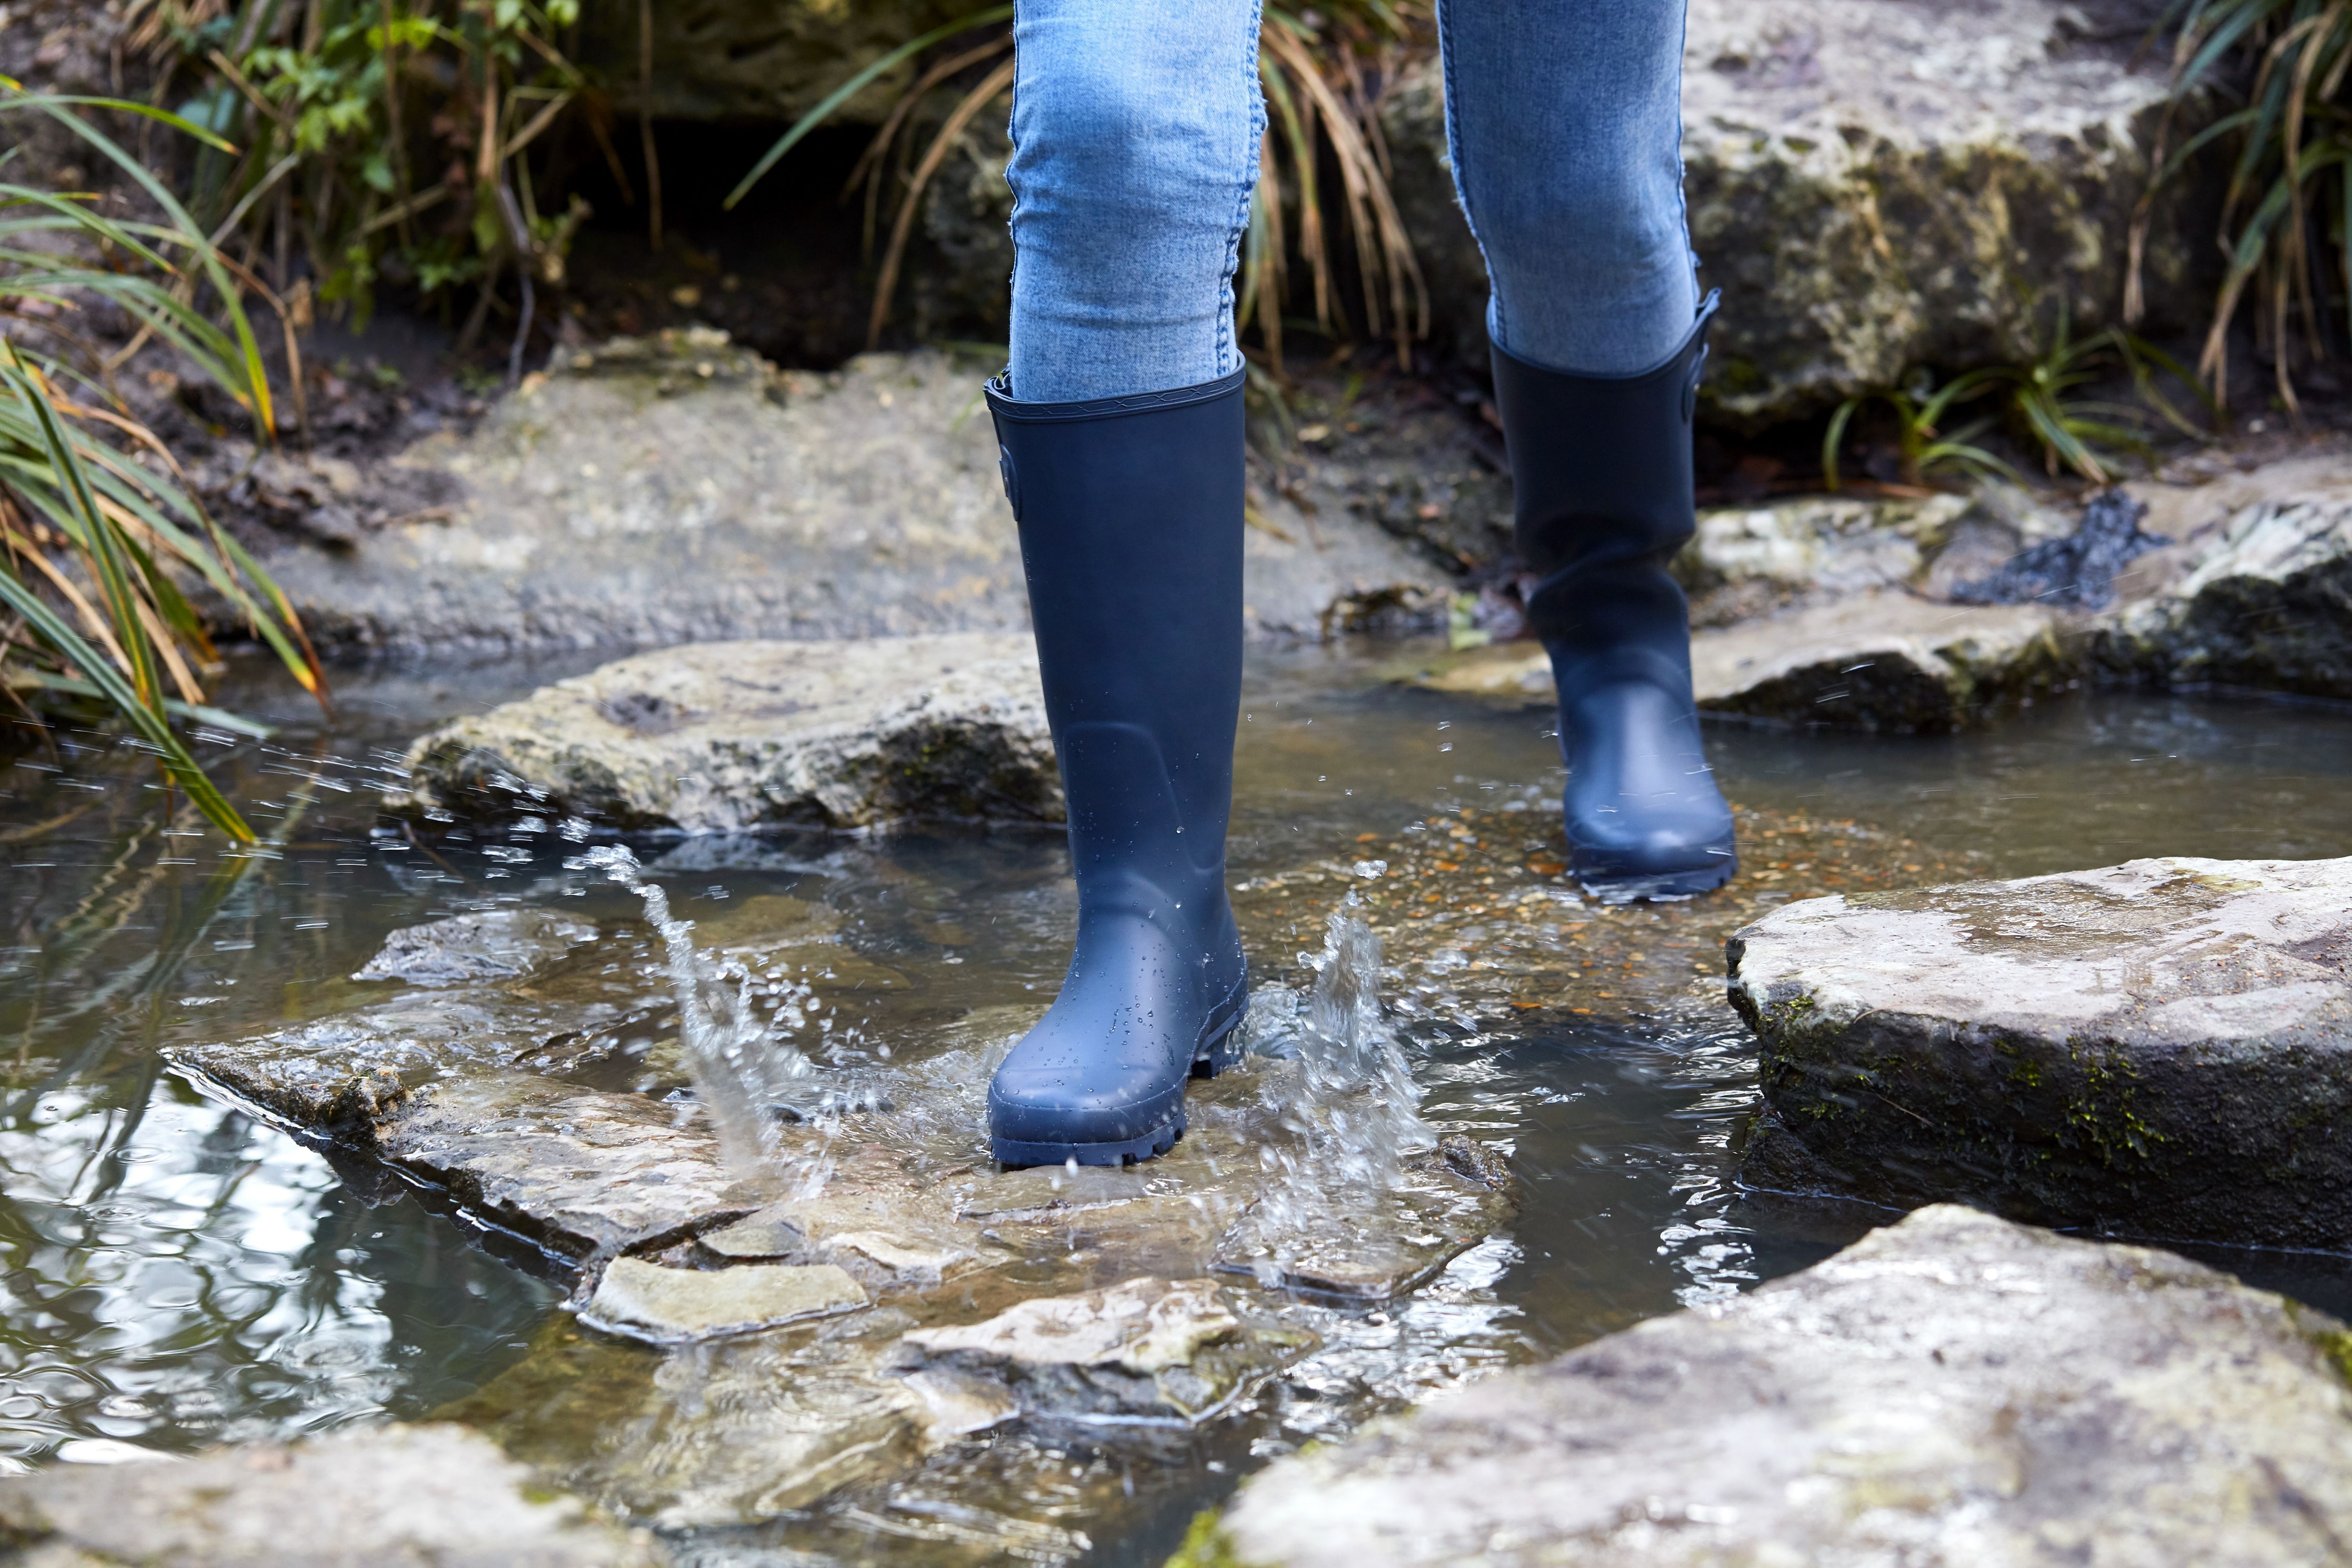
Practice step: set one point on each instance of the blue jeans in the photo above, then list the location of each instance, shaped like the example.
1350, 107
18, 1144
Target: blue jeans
1135, 131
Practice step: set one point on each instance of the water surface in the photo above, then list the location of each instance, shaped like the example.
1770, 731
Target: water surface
178, 1273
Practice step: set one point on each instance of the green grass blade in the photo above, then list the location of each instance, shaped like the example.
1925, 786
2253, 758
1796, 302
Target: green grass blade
150, 725
853, 87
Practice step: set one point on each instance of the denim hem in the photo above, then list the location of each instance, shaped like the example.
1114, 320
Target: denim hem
1706, 309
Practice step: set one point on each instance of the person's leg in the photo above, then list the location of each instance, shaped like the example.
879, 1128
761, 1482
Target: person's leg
1564, 118
1135, 138
1118, 425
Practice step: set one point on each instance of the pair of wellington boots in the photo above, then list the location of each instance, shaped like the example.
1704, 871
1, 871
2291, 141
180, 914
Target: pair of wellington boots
1130, 517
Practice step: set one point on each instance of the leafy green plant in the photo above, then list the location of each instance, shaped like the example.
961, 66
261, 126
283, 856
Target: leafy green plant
1312, 66
2289, 197
380, 138
2043, 402
1919, 407
99, 529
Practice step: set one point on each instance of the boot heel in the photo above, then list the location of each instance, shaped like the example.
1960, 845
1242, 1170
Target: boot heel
1223, 1047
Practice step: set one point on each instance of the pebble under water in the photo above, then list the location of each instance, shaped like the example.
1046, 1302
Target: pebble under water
180, 1274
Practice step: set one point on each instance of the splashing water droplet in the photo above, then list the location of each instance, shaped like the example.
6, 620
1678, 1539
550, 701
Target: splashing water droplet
743, 1074
1353, 1103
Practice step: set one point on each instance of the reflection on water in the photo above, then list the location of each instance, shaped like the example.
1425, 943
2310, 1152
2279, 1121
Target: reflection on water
178, 1273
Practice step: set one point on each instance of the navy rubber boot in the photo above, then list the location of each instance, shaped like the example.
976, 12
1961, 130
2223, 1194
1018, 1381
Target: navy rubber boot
1130, 514
1602, 469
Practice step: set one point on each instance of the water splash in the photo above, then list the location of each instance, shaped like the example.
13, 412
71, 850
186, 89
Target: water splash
745, 1075
1351, 1103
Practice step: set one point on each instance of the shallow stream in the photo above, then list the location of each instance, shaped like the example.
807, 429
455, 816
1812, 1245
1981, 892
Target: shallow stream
178, 1273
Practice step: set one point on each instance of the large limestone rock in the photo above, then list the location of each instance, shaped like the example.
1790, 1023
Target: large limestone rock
1877, 184
717, 736
2162, 1048
735, 60
1952, 1390
2267, 604
676, 489
388, 1498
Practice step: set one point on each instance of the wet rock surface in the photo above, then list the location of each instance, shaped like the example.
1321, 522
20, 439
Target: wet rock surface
1876, 186
646, 1300
387, 1498
676, 488
493, 944
717, 736
2267, 604
1882, 660
2160, 1049
876, 1291
1924, 617
1951, 1389
1143, 1349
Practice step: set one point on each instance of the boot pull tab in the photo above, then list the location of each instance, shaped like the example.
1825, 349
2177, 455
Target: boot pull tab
1706, 309
1012, 484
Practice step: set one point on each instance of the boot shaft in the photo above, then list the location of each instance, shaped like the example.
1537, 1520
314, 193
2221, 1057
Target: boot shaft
1602, 468
1130, 517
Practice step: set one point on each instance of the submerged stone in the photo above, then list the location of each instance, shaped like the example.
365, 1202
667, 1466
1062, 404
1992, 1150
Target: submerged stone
873, 1217
725, 735
726, 1432
1952, 1389
1142, 1349
463, 949
647, 1301
1376, 1247
390, 1497
2162, 1048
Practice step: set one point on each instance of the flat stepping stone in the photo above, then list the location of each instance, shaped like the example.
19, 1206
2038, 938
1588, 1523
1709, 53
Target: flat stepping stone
719, 737
1953, 1389
391, 1497
646, 1301
2162, 1048
1883, 659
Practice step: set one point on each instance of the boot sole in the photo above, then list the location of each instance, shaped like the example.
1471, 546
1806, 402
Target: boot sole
1666, 887
1217, 1051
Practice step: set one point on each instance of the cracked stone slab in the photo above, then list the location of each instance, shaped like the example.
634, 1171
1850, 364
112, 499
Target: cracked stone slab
389, 1497
1953, 1389
2162, 1048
